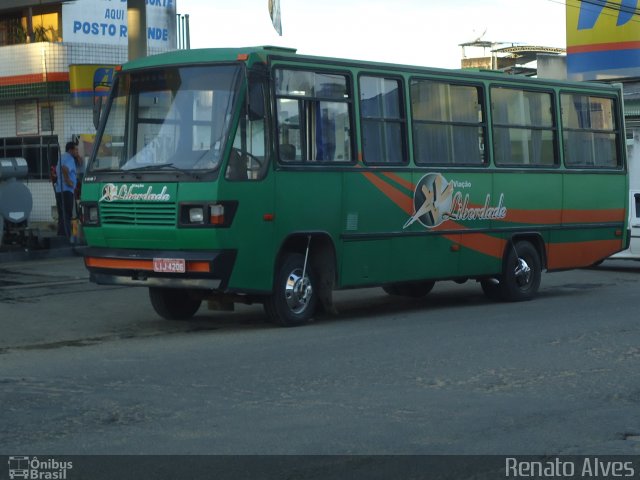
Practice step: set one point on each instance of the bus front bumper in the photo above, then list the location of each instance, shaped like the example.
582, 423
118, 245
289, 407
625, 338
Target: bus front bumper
200, 269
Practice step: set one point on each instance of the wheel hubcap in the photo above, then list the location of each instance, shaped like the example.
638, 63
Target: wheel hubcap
523, 272
298, 291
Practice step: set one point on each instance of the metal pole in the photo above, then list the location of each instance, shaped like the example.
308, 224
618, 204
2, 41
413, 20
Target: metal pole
187, 32
137, 29
183, 42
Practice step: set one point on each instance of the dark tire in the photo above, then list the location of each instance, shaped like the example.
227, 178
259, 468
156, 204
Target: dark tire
294, 298
173, 303
492, 289
410, 289
391, 289
522, 272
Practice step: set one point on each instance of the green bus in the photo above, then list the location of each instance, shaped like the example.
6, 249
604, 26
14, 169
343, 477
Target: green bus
261, 175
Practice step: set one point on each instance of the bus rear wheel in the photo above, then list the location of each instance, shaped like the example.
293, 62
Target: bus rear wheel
521, 278
523, 272
173, 303
294, 297
410, 289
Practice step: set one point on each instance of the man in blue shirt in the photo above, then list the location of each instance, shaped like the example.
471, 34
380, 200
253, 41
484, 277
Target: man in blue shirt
64, 187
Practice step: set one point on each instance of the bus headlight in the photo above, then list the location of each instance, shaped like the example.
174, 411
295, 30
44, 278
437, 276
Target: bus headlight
196, 215
90, 215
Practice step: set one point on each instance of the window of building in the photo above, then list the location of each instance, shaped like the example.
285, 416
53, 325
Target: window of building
590, 133
448, 123
523, 127
44, 26
27, 118
383, 120
46, 118
314, 116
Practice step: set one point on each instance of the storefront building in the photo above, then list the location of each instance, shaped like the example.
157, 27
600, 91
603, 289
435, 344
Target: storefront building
55, 58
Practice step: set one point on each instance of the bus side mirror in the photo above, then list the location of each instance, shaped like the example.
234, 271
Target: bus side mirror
100, 91
256, 101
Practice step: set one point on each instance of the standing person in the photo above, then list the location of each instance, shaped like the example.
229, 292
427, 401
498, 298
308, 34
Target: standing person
65, 186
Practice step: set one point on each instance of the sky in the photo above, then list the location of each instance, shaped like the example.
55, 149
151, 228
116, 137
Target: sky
413, 32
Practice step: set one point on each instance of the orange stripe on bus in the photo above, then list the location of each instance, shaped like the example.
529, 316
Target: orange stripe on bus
588, 216
580, 254
559, 255
127, 264
535, 217
557, 217
399, 180
479, 242
405, 202
118, 263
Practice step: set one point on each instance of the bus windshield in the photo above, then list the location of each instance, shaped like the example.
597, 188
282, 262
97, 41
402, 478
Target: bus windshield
175, 118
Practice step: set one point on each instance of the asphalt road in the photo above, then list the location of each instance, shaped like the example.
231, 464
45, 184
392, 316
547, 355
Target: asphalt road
91, 370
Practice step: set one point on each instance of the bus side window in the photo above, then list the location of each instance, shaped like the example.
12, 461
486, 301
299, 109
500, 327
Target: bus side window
524, 127
287, 151
449, 124
289, 135
314, 116
591, 135
383, 120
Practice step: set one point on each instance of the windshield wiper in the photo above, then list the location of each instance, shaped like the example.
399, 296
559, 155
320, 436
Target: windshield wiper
168, 166
152, 166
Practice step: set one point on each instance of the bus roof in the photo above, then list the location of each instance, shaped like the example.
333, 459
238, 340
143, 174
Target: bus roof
207, 55
262, 54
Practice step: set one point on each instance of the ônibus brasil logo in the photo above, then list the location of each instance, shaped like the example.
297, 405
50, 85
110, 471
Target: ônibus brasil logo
135, 192
40, 469
435, 200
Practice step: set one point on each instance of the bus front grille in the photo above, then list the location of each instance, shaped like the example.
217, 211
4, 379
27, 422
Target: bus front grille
135, 213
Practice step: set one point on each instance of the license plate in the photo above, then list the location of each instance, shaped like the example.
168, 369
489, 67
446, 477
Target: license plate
169, 265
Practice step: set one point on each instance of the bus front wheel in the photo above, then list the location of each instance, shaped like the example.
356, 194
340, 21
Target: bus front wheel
173, 303
294, 298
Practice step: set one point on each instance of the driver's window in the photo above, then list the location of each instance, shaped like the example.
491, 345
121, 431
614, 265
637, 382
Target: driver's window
248, 157
247, 160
